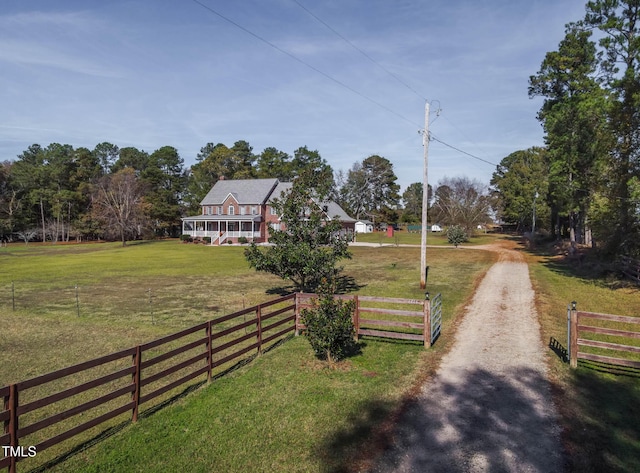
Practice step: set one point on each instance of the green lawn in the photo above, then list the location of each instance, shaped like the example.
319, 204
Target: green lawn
284, 412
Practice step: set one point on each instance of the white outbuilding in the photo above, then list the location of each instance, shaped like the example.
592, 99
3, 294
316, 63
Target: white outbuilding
364, 226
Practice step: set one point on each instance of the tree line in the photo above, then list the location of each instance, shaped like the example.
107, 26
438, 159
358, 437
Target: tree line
584, 184
58, 192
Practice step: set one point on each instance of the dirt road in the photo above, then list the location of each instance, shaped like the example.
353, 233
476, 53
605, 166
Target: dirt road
488, 408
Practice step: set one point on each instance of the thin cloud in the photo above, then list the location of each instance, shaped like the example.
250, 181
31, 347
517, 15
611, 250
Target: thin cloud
150, 74
36, 54
54, 40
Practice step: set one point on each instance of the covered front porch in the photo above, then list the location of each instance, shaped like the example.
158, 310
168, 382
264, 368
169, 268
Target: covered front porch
222, 229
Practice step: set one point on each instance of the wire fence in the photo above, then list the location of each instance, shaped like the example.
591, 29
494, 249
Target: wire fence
172, 303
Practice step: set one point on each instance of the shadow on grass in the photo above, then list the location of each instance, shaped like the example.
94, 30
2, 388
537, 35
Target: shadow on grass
607, 368
141, 242
586, 264
607, 436
280, 290
479, 422
340, 453
559, 349
344, 285
105, 434
393, 341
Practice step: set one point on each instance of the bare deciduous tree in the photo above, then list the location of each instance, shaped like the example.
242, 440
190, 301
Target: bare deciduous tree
27, 235
118, 203
461, 201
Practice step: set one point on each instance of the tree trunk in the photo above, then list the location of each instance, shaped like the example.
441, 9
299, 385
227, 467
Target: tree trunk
44, 232
69, 223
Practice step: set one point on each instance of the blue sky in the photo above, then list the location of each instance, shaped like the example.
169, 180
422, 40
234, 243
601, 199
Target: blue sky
151, 73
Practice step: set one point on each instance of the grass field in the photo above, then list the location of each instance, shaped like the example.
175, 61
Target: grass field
599, 404
284, 412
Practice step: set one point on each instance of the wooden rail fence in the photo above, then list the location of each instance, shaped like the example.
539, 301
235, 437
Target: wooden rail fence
424, 330
76, 399
602, 328
135, 377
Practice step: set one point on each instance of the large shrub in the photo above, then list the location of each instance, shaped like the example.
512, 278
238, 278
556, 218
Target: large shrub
456, 235
330, 329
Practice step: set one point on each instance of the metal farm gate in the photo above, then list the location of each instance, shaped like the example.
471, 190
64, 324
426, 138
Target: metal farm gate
436, 317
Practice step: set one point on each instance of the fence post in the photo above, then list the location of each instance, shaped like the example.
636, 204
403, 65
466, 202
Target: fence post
568, 358
77, 301
209, 351
135, 377
297, 310
11, 424
573, 337
356, 316
426, 331
259, 323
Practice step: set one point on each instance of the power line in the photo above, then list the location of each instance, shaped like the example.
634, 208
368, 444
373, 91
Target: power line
359, 50
333, 79
461, 132
301, 61
431, 136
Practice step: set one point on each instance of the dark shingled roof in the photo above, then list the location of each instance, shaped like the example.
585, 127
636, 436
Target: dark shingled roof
333, 209
258, 192
245, 191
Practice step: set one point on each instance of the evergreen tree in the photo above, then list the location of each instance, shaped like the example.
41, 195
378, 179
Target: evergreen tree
307, 248
573, 116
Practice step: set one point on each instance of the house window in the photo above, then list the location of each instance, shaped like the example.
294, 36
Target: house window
219, 210
273, 211
232, 210
243, 210
254, 210
209, 211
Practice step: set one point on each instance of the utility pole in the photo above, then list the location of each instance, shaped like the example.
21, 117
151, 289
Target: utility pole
533, 227
425, 200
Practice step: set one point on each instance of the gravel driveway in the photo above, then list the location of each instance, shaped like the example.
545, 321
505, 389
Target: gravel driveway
488, 408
